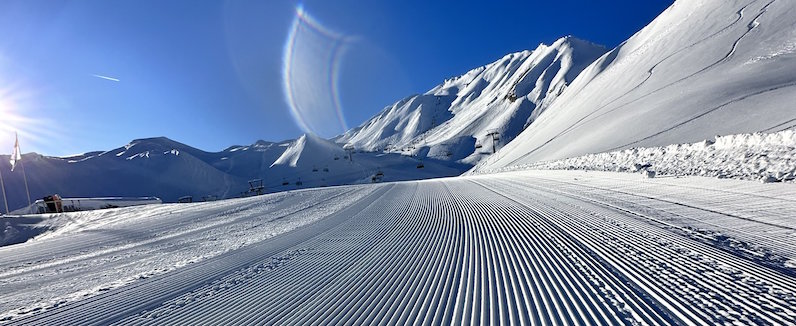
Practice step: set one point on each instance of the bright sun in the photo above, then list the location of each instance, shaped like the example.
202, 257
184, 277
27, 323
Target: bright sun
11, 122
17, 107
7, 116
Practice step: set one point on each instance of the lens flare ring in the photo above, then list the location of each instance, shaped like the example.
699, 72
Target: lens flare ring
310, 83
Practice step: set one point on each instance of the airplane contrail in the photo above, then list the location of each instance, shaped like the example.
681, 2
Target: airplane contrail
106, 77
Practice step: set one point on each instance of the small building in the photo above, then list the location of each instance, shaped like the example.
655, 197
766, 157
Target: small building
56, 204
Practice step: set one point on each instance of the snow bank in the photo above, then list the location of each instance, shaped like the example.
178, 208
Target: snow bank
759, 156
15, 230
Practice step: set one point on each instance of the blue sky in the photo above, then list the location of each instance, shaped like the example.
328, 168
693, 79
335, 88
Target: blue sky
210, 73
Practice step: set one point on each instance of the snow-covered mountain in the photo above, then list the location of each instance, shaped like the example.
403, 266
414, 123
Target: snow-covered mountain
451, 121
700, 69
168, 169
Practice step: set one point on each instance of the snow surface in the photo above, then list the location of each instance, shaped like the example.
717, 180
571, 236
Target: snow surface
523, 247
568, 247
700, 69
505, 96
767, 157
111, 248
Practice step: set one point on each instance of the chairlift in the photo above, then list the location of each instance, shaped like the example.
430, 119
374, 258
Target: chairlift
298, 183
378, 177
420, 165
336, 158
314, 169
325, 169
256, 186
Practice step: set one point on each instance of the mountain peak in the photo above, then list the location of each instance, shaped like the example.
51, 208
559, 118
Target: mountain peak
575, 41
309, 148
160, 139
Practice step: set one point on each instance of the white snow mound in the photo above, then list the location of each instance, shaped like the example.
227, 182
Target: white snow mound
764, 157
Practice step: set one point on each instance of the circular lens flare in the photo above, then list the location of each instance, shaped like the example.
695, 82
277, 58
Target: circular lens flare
311, 67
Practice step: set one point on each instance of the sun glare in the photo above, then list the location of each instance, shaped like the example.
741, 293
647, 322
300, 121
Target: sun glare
14, 120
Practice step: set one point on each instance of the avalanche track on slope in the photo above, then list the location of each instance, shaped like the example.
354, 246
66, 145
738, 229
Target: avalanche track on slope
532, 247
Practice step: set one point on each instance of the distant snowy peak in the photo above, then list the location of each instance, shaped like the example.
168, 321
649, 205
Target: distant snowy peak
260, 146
155, 144
451, 119
309, 149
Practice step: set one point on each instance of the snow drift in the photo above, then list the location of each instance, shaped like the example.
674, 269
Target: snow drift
762, 157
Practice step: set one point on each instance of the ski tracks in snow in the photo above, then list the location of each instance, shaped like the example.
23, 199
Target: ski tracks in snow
516, 248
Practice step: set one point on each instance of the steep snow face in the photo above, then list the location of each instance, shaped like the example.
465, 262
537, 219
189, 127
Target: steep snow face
702, 68
451, 121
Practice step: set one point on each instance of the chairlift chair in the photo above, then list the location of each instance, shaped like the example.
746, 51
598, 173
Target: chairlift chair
256, 186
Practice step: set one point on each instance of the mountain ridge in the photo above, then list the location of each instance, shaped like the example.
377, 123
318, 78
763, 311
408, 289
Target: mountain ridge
698, 70
450, 120
162, 167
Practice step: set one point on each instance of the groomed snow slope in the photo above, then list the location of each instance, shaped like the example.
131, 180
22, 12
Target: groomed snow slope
702, 68
564, 247
504, 96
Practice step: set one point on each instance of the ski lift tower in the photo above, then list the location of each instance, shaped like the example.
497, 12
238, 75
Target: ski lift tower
256, 186
350, 149
495, 137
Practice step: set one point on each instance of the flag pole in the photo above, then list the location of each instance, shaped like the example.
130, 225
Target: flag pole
24, 175
3, 185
